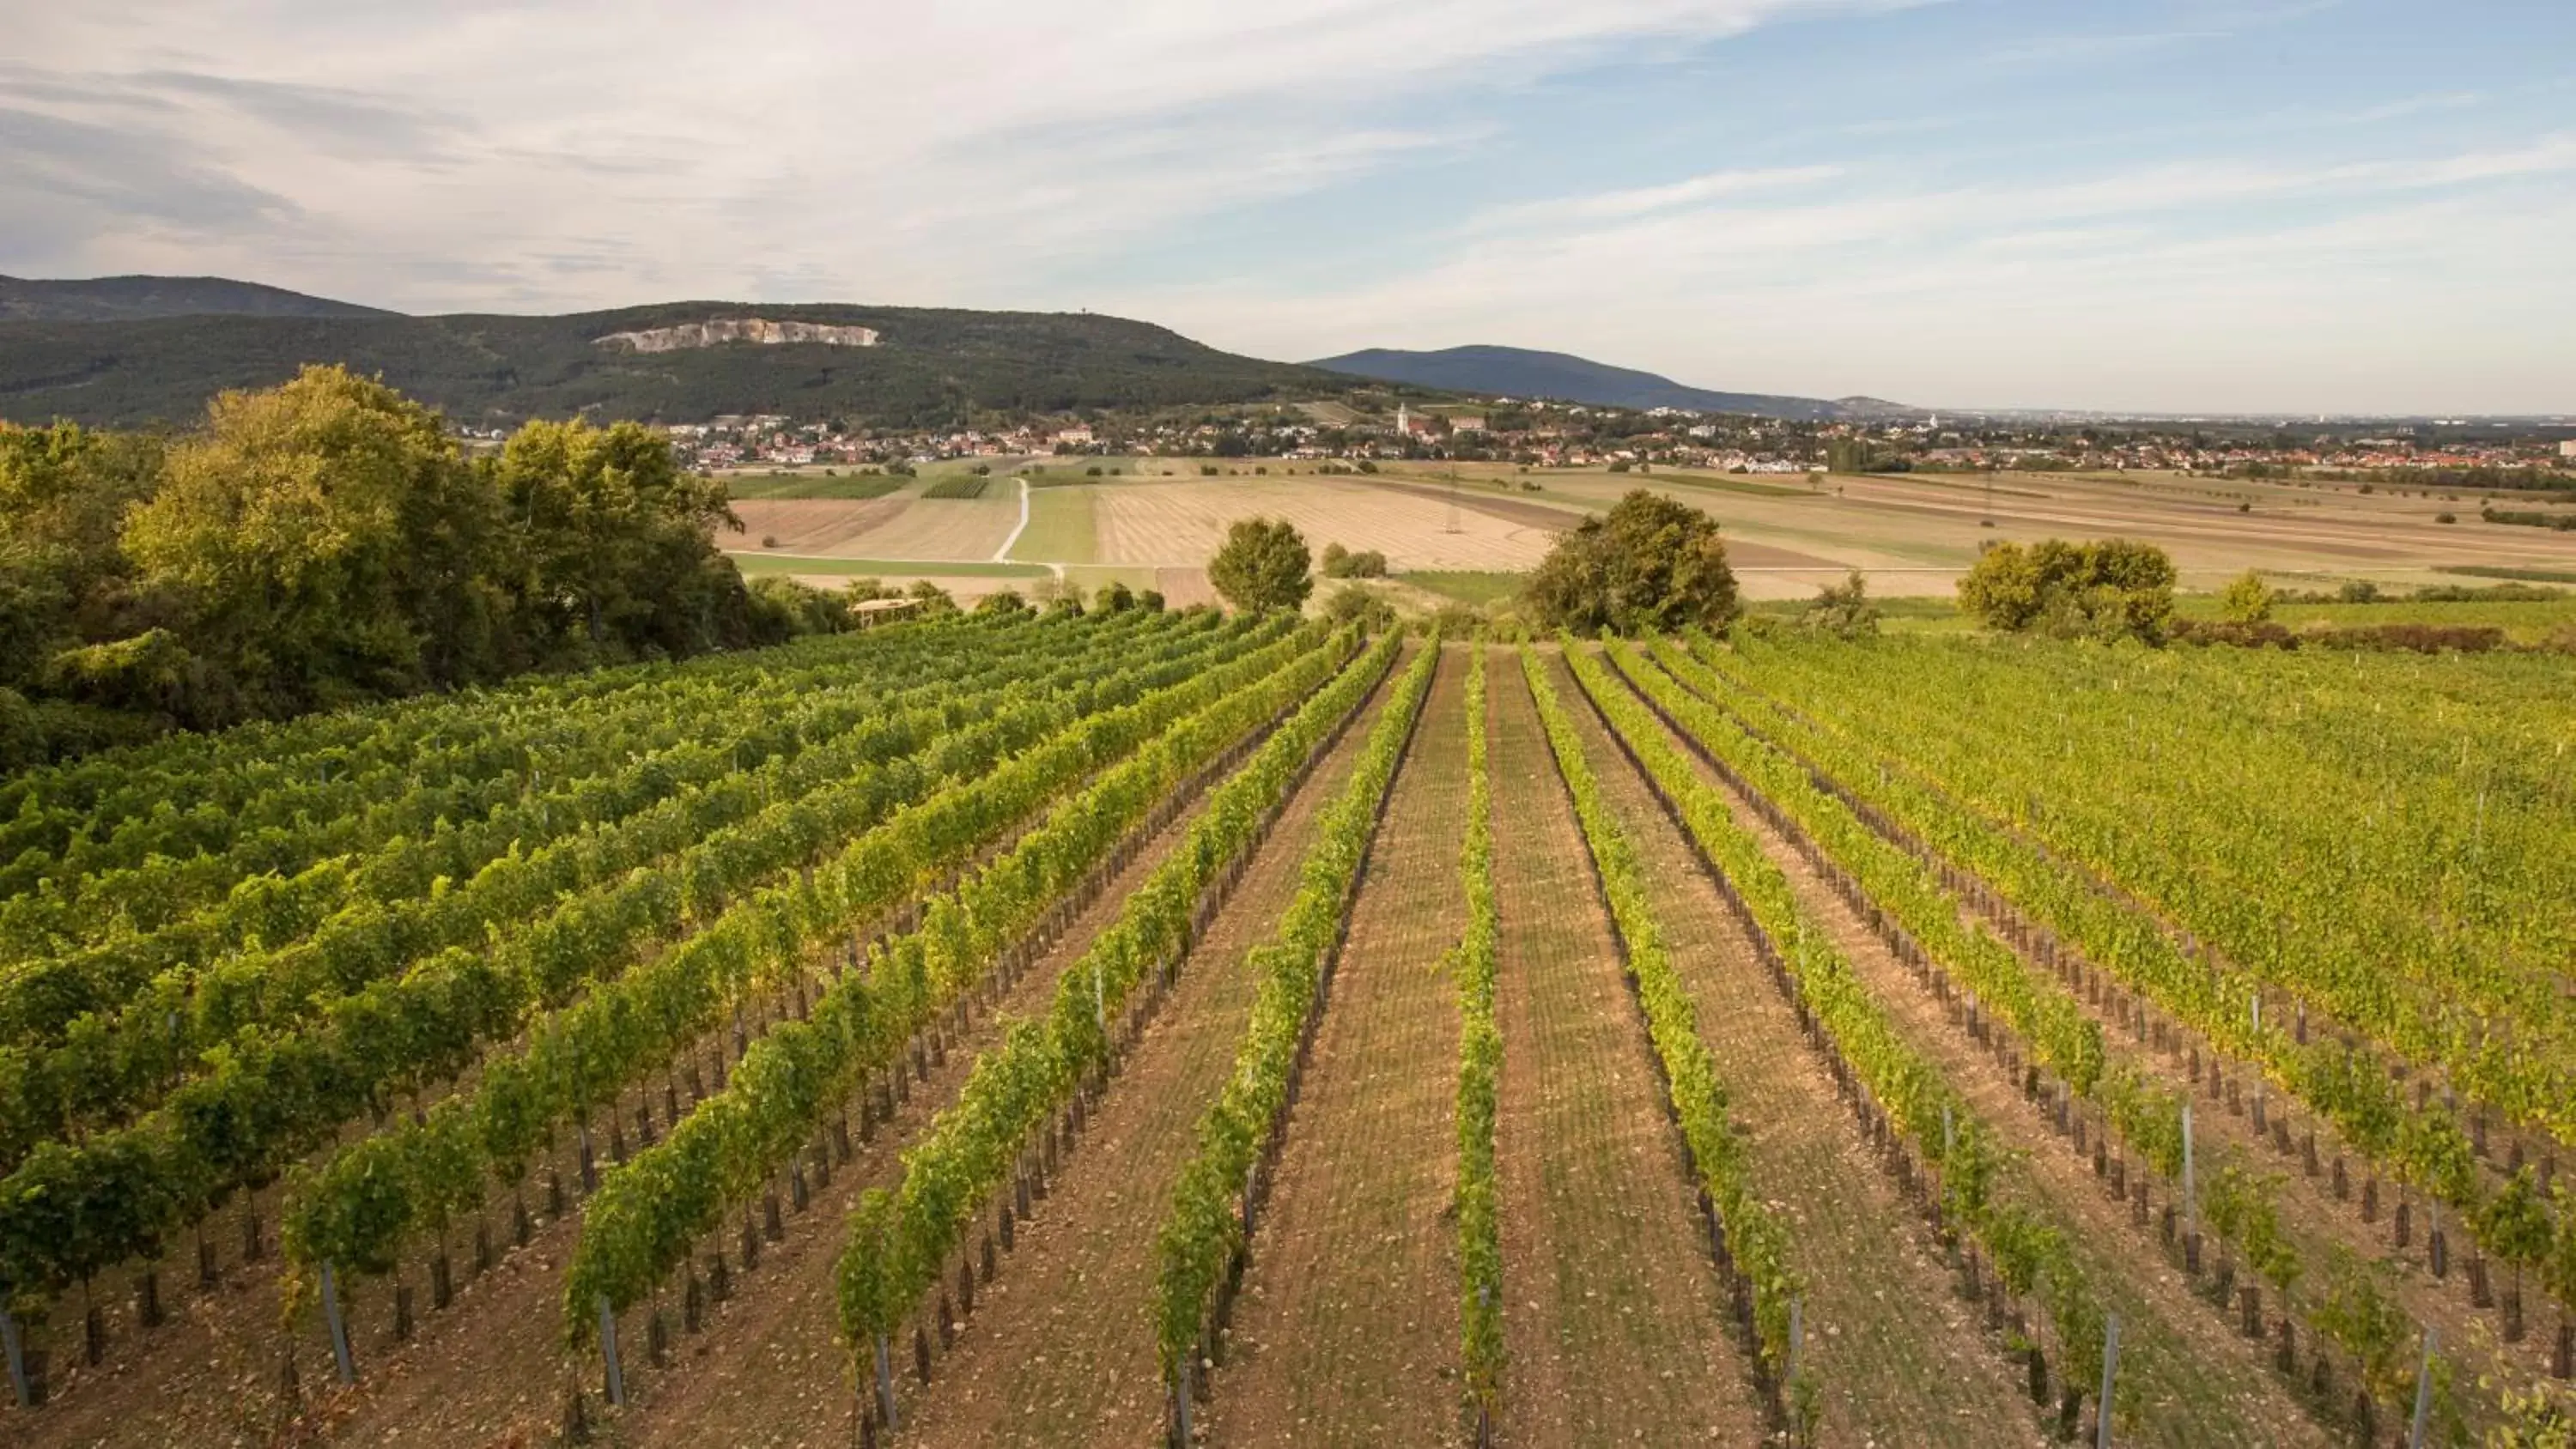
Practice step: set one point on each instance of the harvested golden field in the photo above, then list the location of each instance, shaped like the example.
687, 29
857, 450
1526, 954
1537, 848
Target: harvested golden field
1181, 523
905, 526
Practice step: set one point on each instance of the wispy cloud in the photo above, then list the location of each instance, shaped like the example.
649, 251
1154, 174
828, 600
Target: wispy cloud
2078, 49
1639, 201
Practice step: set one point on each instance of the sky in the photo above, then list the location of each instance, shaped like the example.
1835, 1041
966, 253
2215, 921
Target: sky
2345, 206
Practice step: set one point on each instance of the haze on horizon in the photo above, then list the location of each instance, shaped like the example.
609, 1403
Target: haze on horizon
2349, 206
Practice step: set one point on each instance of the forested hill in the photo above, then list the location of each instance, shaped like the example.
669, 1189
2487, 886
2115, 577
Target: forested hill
929, 366
128, 299
1520, 372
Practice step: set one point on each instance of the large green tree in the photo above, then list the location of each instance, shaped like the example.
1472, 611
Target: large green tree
1263, 566
1651, 564
613, 539
64, 582
320, 542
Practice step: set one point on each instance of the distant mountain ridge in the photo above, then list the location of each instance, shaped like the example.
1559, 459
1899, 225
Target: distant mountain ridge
132, 352
1520, 372
133, 299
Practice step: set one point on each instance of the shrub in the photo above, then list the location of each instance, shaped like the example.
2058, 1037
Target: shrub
1843, 610
1341, 563
2246, 600
1360, 605
2108, 589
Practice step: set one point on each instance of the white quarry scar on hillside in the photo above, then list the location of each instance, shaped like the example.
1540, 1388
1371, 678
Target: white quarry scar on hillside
737, 329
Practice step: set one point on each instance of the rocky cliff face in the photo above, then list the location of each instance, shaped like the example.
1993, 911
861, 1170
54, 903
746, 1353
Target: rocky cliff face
738, 329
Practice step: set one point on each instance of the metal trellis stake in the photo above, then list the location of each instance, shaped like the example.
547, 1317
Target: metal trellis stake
17, 1358
2190, 1198
608, 1351
885, 1382
339, 1326
1797, 1335
2110, 1374
2423, 1390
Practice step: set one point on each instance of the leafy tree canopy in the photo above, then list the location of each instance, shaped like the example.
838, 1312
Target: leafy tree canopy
324, 543
1651, 564
2109, 589
1262, 566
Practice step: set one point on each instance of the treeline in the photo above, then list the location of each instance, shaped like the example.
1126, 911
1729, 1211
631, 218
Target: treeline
325, 543
2530, 518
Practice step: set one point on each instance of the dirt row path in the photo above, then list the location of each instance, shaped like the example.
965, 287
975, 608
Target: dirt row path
2187, 1379
471, 1375
1061, 1348
1895, 1351
1346, 1332
771, 1370
1614, 1323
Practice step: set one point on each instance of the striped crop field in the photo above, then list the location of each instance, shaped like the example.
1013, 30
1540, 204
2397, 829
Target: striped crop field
1159, 1027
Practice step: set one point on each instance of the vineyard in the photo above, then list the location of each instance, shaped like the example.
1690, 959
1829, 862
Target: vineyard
1146, 1027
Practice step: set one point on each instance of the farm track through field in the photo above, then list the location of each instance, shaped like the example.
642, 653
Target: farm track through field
1347, 1329
1896, 1352
1061, 1348
1614, 1324
2186, 1379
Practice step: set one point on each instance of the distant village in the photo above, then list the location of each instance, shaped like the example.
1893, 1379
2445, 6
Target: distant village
1539, 434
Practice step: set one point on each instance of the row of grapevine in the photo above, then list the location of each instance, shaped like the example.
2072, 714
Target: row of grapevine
2419, 911
1480, 1065
1904, 891
1756, 1246
2420, 1142
189, 795
115, 1063
365, 1203
277, 882
69, 1209
1204, 1235
2030, 1250
1922, 926
900, 1242
649, 1213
